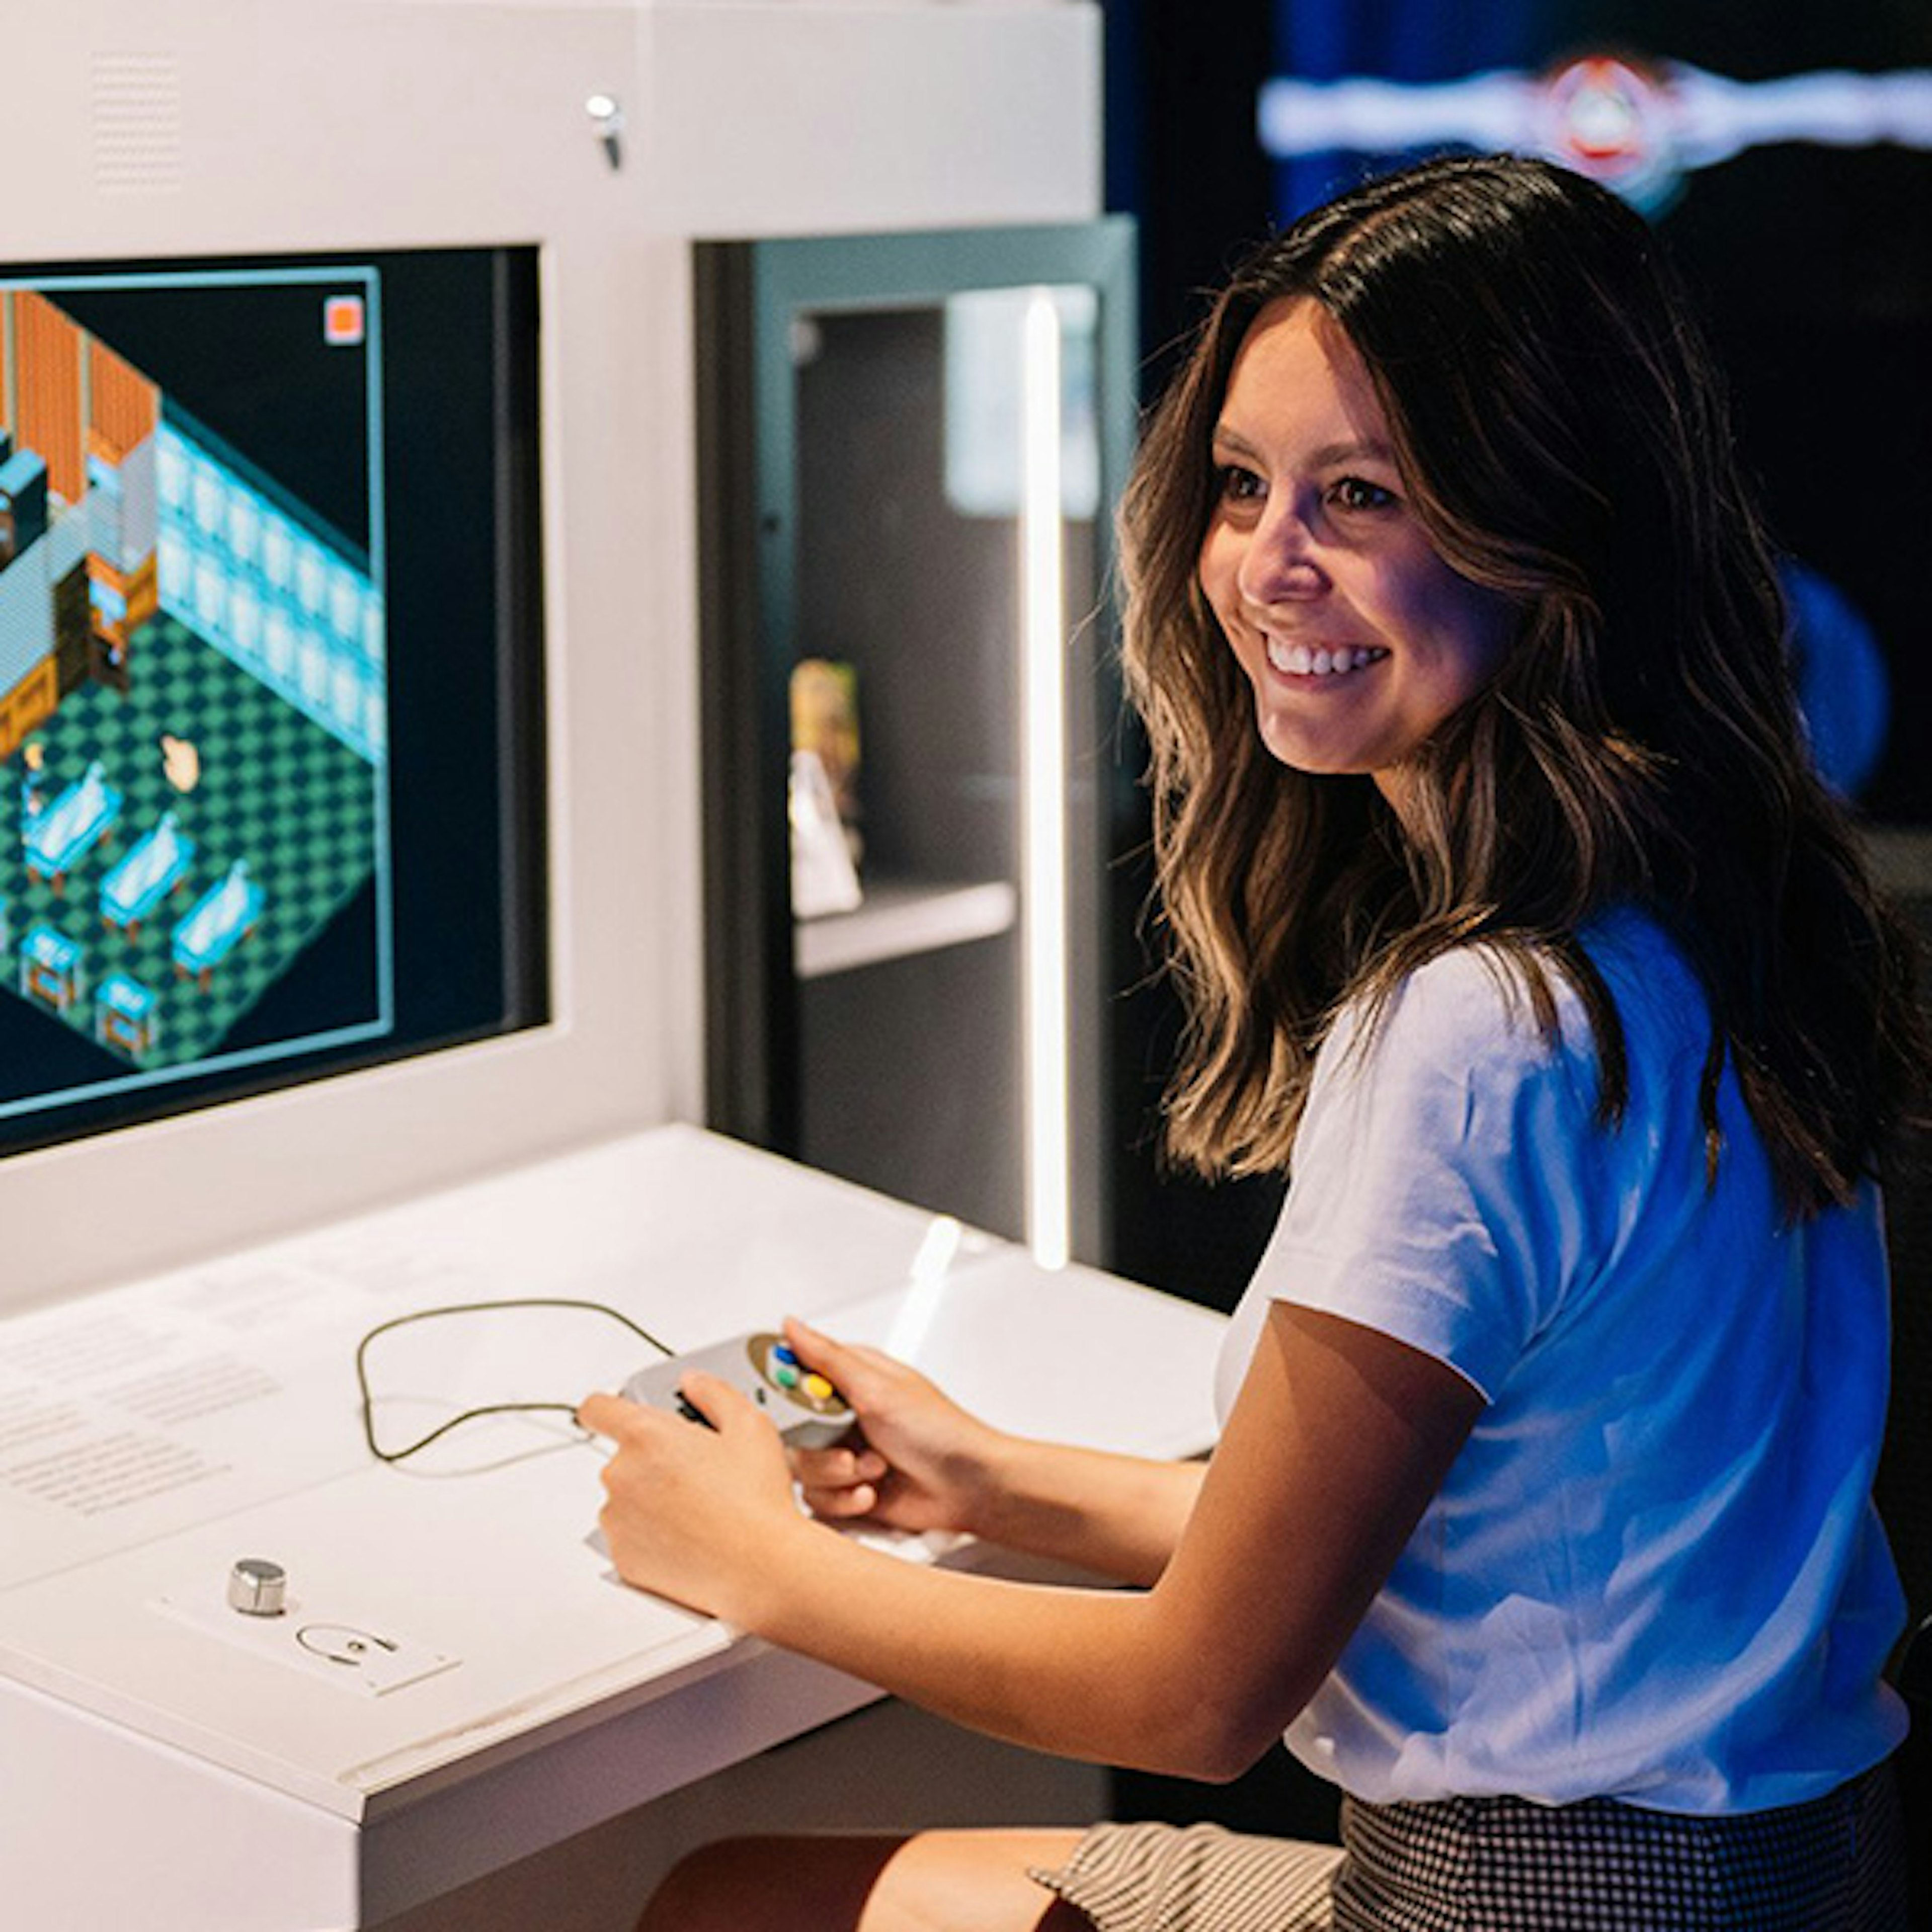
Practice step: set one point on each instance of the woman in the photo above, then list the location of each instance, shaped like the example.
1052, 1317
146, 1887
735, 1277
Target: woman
1512, 918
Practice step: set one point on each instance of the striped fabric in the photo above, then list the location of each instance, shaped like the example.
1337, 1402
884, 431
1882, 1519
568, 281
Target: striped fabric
1503, 1865
1168, 1878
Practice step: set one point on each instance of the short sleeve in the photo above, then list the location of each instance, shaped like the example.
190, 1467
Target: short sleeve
1445, 1171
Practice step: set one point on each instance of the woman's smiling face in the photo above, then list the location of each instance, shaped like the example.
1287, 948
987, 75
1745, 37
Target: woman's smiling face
1358, 639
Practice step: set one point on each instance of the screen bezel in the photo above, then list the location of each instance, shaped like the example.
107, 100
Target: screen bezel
450, 928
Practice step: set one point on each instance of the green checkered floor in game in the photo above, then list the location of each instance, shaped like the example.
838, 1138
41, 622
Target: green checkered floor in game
275, 790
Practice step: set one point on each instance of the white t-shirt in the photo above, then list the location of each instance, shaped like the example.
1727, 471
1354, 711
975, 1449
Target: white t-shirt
1654, 1572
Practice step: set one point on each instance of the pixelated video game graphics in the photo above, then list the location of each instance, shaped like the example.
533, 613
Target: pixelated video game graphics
193, 715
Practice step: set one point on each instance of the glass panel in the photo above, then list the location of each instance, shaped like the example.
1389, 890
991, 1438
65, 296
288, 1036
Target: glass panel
909, 608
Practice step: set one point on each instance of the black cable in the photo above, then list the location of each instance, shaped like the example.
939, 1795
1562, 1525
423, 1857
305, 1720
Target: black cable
392, 1455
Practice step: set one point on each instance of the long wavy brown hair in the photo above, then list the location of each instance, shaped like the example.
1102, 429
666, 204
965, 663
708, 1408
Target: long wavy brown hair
1563, 437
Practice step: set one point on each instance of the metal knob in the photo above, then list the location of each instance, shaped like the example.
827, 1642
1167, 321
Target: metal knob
257, 1588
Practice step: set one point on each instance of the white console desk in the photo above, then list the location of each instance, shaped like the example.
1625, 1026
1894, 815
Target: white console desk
458, 1681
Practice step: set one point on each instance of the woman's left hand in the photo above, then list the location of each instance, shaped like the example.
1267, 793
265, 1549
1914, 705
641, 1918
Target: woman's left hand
692, 1513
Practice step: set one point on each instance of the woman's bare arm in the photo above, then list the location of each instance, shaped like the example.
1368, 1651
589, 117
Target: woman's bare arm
1339, 1440
923, 1462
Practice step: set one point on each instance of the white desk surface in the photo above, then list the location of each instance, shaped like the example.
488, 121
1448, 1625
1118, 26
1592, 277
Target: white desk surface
151, 1435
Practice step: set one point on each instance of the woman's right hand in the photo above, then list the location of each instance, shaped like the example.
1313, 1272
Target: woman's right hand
918, 1462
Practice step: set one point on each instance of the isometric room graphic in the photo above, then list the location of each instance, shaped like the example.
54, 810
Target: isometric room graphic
192, 721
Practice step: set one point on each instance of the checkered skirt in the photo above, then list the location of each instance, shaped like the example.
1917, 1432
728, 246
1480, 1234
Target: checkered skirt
1503, 1865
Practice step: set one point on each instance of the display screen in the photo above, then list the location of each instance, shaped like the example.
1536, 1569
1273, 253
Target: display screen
270, 675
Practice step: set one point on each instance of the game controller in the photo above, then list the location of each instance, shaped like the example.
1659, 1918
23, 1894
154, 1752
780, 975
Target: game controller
808, 1411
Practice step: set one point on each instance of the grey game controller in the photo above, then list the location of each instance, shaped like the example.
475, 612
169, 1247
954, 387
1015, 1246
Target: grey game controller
808, 1411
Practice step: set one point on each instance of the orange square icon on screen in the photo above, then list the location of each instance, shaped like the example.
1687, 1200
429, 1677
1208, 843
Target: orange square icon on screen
343, 323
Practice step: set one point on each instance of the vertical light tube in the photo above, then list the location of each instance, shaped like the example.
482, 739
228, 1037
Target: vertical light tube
1043, 880
925, 1290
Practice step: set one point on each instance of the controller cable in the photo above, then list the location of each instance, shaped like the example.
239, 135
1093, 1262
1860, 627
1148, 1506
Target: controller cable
368, 1405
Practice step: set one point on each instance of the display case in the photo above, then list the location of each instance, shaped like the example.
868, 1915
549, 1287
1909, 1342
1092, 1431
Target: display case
910, 446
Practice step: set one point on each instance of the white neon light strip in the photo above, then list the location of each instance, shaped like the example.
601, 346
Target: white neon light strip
1706, 118
1043, 733
1371, 116
1719, 118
